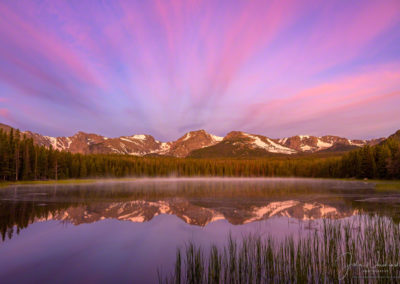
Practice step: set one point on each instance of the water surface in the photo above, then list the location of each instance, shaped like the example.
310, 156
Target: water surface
125, 231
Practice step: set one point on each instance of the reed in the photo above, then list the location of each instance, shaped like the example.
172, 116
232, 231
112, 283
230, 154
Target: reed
361, 250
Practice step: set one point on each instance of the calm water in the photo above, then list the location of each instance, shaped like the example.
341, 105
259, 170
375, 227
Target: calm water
124, 232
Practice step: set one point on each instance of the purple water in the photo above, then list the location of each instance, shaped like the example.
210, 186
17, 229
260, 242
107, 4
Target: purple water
127, 232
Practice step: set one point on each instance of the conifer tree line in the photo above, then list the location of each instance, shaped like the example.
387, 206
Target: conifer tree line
381, 161
21, 159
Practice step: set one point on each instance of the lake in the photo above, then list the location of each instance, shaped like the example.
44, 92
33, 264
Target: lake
129, 231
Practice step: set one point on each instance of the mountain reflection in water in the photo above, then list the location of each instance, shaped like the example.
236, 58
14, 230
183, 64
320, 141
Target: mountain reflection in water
195, 201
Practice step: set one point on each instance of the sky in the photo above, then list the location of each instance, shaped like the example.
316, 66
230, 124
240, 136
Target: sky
164, 67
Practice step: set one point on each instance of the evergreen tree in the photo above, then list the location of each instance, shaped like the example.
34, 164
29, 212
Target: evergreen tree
393, 165
382, 156
368, 166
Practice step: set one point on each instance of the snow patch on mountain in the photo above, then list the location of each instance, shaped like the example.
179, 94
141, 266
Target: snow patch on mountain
56, 143
216, 138
125, 139
280, 148
323, 145
305, 148
283, 140
351, 142
69, 142
139, 137
304, 137
114, 150
53, 141
187, 136
269, 145
164, 148
258, 142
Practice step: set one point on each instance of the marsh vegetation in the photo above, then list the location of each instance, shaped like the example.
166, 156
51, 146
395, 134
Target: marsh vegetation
365, 249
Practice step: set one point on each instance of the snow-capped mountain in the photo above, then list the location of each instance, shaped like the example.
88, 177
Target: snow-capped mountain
137, 144
307, 143
191, 141
196, 143
257, 141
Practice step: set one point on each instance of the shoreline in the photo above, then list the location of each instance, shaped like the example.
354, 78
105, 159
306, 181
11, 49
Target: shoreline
379, 184
62, 181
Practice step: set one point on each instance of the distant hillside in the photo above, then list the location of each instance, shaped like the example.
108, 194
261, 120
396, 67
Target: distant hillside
227, 149
340, 148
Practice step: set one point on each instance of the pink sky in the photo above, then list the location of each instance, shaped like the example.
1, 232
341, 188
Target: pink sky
163, 67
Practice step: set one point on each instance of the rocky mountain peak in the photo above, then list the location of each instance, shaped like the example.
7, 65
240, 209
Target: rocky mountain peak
236, 135
191, 141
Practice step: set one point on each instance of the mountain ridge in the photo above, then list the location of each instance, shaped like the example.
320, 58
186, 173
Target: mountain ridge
197, 143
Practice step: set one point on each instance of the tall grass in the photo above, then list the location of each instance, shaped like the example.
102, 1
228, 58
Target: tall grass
364, 250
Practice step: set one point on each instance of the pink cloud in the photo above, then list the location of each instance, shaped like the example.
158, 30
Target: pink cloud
4, 113
44, 43
330, 97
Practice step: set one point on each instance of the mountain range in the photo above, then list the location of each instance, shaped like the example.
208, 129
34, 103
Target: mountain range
197, 144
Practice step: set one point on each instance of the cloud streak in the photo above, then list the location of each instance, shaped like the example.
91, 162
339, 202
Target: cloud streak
270, 67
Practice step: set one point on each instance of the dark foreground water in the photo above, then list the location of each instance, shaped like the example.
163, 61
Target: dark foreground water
127, 232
